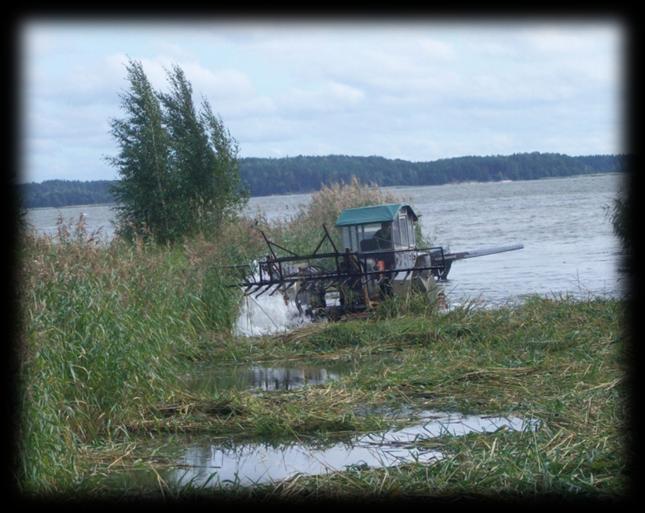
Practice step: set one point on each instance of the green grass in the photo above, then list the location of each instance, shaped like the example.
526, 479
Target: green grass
558, 361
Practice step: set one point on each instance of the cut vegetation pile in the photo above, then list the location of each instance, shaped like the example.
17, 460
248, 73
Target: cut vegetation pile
559, 363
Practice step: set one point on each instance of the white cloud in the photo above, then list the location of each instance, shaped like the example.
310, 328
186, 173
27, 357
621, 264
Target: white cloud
559, 40
417, 91
328, 97
431, 48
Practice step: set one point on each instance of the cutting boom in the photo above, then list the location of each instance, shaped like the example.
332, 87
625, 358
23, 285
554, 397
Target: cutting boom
356, 279
481, 252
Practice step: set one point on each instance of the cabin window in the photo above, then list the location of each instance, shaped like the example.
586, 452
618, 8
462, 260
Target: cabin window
369, 230
411, 235
396, 233
358, 233
354, 237
348, 239
345, 234
403, 229
367, 240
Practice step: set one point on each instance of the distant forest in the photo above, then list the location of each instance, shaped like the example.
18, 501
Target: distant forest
301, 174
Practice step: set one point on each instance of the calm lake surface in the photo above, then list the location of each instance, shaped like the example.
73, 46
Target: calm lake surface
569, 246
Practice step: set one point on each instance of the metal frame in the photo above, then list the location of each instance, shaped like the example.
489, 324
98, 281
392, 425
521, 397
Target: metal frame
271, 271
349, 274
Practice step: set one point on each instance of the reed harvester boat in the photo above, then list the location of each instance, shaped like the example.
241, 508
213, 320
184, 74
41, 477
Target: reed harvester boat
379, 258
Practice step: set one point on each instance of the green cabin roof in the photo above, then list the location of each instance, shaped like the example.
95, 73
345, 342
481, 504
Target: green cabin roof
372, 214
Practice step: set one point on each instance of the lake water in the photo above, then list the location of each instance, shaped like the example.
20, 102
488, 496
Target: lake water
279, 375
569, 246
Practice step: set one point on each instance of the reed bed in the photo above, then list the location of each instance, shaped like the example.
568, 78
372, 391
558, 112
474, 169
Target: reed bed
105, 329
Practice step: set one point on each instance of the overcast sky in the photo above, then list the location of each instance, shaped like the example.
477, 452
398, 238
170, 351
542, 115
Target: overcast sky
418, 91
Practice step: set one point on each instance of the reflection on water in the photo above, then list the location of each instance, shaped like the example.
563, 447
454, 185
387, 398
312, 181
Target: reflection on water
259, 464
269, 378
265, 378
280, 375
206, 464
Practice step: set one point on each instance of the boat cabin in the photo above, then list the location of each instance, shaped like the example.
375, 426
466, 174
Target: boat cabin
377, 228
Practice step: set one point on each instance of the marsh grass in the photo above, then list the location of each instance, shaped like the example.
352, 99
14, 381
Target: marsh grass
415, 302
559, 362
106, 326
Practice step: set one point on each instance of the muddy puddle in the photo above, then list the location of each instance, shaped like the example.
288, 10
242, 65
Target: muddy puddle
206, 463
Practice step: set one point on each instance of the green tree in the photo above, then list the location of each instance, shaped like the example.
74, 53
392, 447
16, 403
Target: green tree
189, 152
203, 156
144, 189
228, 190
179, 167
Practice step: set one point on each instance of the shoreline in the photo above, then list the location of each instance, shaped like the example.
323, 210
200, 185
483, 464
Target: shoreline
401, 186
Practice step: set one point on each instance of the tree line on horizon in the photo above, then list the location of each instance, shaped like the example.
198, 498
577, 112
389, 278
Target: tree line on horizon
304, 174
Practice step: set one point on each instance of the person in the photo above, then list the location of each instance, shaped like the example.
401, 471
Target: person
384, 236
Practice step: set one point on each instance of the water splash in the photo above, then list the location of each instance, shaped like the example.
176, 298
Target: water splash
267, 315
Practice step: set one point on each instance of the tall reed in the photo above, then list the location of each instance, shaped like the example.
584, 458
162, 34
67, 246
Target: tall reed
105, 328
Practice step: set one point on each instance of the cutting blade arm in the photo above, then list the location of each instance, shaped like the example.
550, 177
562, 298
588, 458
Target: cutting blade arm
481, 252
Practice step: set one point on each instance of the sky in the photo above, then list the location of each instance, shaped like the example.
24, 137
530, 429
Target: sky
418, 90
